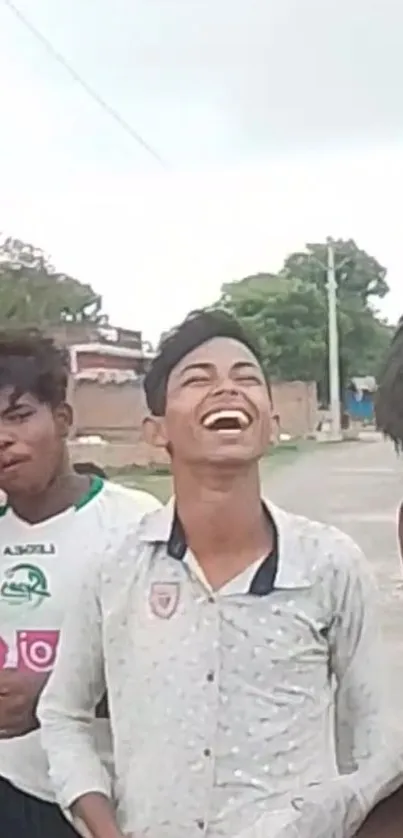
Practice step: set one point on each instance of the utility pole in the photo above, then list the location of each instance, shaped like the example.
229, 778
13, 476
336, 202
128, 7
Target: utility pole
333, 338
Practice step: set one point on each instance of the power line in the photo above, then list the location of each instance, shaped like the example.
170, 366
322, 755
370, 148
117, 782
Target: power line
83, 84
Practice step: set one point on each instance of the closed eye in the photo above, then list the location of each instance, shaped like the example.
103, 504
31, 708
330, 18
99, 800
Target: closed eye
249, 379
15, 418
195, 379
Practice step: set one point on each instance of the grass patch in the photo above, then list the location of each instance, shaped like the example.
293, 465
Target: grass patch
286, 453
157, 479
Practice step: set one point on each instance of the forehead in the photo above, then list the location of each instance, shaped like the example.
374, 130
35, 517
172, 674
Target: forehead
218, 352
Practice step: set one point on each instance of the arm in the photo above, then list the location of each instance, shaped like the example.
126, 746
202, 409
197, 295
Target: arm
337, 808
19, 696
66, 713
370, 760
357, 661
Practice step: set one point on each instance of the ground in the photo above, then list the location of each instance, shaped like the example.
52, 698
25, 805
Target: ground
357, 486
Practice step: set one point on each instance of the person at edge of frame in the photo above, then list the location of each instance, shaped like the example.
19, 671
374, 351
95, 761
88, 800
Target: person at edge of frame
387, 819
389, 405
53, 523
228, 633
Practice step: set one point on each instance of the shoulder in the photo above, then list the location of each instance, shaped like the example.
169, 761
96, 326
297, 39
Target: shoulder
115, 521
337, 571
128, 561
118, 512
123, 496
326, 552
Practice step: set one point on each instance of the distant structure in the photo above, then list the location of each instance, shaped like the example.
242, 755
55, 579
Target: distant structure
108, 365
359, 399
98, 348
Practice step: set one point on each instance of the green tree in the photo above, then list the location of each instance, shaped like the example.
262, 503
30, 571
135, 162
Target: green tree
33, 292
285, 317
361, 282
287, 314
357, 273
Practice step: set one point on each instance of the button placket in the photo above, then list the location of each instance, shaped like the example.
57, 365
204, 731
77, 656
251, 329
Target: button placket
212, 623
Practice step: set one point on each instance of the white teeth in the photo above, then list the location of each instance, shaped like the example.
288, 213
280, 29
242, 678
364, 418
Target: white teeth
237, 415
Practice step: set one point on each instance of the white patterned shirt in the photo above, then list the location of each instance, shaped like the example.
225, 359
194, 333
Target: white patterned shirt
224, 704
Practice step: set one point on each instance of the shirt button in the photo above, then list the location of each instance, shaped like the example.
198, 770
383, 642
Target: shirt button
207, 752
201, 824
210, 676
211, 600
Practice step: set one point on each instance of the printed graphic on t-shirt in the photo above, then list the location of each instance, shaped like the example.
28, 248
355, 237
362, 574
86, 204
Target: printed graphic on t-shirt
24, 588
24, 584
19, 550
35, 650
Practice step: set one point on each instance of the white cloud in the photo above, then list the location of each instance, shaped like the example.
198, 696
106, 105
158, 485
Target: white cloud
281, 79
156, 246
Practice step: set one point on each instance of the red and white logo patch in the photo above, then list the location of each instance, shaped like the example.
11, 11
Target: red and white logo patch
164, 599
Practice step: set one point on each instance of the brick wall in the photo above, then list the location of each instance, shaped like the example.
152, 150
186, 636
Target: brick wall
296, 404
115, 412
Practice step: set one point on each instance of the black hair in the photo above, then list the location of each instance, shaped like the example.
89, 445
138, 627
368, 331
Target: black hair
389, 396
199, 327
31, 362
89, 468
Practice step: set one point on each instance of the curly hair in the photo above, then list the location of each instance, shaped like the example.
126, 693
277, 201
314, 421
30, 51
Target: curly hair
32, 362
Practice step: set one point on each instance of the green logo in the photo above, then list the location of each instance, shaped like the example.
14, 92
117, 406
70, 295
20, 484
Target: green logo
24, 584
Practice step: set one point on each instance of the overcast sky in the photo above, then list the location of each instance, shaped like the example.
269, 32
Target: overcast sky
280, 121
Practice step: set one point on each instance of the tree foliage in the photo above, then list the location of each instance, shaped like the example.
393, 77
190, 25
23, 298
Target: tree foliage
33, 292
287, 314
357, 273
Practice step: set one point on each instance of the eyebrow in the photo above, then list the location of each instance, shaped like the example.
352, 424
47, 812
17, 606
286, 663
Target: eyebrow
208, 366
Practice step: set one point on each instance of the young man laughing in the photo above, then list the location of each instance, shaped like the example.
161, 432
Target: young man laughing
53, 525
228, 633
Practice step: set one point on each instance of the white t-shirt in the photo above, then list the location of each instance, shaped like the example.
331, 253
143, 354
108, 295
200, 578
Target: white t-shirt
39, 569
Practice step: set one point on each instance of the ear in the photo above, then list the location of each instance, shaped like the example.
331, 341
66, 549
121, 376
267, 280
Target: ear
154, 431
275, 429
63, 415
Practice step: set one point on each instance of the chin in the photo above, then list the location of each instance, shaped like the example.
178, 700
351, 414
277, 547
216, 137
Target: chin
235, 456
19, 485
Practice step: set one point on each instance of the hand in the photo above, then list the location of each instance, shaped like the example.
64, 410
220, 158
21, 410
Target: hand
19, 694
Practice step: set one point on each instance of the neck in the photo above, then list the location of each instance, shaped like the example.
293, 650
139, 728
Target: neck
221, 513
64, 490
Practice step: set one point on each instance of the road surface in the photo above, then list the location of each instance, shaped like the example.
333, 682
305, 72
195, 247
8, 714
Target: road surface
356, 486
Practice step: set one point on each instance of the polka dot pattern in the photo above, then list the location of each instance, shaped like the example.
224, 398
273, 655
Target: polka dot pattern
223, 705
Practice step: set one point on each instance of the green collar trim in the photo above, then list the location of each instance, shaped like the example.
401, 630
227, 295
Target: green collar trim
95, 487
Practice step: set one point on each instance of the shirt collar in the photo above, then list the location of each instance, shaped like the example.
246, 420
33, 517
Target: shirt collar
292, 572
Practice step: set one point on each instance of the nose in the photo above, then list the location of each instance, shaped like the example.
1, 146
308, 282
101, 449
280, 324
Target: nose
226, 387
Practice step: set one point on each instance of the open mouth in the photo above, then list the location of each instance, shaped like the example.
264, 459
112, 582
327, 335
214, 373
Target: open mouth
227, 421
